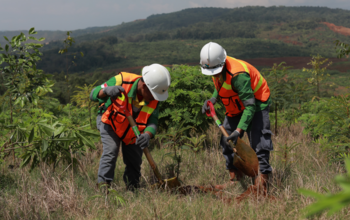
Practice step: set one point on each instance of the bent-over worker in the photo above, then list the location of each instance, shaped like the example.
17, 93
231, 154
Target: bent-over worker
246, 96
144, 94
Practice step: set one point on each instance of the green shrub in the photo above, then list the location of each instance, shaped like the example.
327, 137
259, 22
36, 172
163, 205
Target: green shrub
188, 90
329, 118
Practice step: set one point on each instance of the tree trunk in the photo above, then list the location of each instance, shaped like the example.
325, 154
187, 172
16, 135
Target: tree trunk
90, 116
318, 86
11, 121
276, 119
71, 157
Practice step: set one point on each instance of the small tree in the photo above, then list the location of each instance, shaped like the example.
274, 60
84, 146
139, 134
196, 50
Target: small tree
318, 72
343, 49
277, 81
35, 134
24, 82
82, 98
68, 42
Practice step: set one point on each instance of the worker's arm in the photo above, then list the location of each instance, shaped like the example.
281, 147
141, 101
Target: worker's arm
241, 83
97, 93
213, 99
215, 94
150, 130
152, 123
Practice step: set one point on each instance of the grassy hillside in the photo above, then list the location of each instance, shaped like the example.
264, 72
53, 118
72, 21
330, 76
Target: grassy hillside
57, 196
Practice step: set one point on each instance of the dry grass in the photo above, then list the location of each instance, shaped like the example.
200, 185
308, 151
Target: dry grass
46, 195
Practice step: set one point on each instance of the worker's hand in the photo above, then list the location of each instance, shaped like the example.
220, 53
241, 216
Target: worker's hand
113, 91
143, 140
233, 137
205, 105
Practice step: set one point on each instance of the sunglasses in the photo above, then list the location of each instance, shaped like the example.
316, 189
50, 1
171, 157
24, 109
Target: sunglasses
206, 66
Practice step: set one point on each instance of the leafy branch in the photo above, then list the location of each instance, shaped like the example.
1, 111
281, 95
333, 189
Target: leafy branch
342, 49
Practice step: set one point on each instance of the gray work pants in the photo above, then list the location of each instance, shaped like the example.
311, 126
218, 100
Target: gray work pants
132, 157
259, 138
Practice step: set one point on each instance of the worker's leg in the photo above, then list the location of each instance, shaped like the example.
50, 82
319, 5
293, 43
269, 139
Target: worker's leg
132, 156
98, 121
260, 139
230, 124
111, 143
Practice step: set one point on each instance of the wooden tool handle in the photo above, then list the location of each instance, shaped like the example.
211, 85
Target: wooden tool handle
131, 121
153, 165
224, 132
146, 151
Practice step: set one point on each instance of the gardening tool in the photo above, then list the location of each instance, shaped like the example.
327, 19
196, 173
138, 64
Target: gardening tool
245, 158
171, 183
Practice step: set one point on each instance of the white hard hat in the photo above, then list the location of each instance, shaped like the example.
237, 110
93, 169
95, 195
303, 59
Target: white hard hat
157, 80
213, 58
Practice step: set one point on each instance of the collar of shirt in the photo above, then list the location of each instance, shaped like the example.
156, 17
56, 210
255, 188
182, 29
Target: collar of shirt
132, 94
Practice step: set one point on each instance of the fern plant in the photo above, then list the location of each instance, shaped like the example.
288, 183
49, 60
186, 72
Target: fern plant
195, 142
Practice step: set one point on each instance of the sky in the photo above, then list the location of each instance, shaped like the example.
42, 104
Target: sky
80, 14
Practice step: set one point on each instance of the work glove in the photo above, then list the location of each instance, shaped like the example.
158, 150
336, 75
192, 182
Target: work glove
233, 136
113, 91
205, 105
143, 140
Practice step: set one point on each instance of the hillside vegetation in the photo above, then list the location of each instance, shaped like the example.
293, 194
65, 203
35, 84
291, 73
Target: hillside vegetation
247, 32
53, 35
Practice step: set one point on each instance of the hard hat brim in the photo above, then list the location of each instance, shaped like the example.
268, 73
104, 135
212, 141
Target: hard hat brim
211, 72
160, 97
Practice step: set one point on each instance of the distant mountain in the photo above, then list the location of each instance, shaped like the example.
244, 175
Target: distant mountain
222, 23
52, 35
247, 32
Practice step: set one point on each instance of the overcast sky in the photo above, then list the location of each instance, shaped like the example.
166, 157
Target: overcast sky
79, 14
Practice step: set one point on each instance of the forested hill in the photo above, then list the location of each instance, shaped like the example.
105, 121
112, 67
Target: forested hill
245, 17
173, 38
53, 35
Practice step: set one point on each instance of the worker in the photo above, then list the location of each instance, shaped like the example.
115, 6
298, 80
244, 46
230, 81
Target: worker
246, 97
144, 94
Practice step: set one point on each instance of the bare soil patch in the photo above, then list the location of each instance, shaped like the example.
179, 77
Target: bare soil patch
338, 29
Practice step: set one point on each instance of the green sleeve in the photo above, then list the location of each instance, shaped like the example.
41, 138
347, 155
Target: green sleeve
110, 82
152, 122
242, 85
215, 94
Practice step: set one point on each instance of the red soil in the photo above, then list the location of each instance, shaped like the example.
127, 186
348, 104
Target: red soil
338, 29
